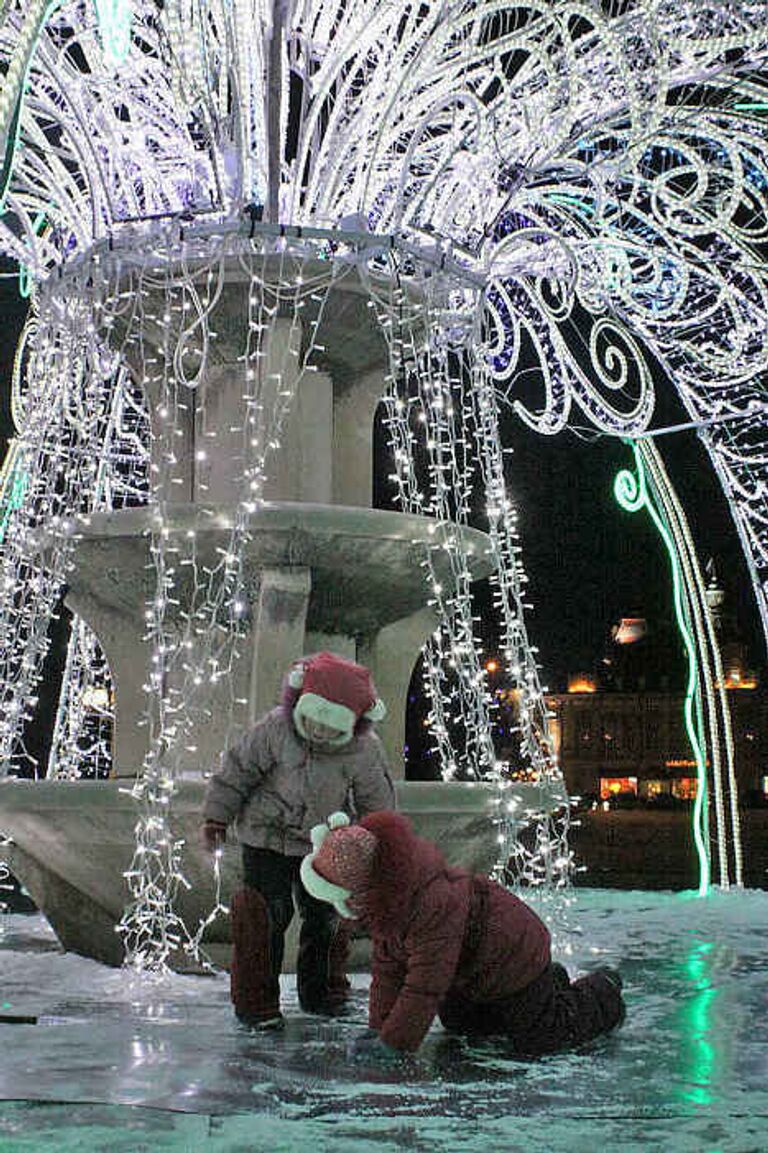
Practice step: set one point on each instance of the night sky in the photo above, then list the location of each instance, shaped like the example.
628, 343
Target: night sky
590, 563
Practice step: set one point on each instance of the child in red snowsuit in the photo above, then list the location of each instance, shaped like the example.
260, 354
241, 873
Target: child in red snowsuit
452, 945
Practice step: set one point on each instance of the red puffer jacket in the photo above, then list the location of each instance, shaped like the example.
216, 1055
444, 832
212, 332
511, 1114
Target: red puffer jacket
439, 932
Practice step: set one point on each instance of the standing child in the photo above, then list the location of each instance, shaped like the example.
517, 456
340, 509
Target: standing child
314, 753
452, 945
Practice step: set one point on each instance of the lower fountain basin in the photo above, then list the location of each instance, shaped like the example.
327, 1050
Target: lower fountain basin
71, 842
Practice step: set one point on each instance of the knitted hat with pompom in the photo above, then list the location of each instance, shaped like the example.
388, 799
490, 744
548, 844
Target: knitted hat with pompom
341, 864
334, 692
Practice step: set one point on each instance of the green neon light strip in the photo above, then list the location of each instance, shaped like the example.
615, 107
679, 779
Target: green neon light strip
14, 129
751, 107
571, 202
631, 492
13, 488
115, 18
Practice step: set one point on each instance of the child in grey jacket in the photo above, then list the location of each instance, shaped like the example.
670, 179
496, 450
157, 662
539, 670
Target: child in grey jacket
315, 753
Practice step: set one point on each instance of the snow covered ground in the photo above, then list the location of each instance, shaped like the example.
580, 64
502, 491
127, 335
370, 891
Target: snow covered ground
127, 1067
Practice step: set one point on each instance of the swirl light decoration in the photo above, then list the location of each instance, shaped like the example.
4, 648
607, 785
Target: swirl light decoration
558, 191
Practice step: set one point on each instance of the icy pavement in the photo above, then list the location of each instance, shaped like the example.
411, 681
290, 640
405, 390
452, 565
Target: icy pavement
130, 1067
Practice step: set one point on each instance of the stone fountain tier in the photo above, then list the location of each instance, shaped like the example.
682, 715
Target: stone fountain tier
315, 576
72, 841
366, 565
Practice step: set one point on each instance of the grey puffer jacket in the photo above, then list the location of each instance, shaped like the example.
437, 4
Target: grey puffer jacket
276, 787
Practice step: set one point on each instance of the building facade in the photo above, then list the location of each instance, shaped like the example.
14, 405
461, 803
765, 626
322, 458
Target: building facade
624, 744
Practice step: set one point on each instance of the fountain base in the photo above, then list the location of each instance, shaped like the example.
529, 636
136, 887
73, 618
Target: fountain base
71, 842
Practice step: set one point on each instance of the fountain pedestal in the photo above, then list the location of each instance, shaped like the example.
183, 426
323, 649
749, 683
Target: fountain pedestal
320, 569
316, 576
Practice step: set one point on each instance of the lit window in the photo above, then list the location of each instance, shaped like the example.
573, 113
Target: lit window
582, 683
685, 788
613, 786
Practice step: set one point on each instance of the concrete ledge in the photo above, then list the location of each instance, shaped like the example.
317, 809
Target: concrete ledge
366, 563
71, 843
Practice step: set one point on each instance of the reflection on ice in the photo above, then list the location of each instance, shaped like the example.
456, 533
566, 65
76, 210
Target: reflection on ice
699, 1053
120, 1064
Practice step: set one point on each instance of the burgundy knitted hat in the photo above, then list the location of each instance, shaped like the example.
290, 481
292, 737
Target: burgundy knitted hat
334, 692
345, 858
341, 864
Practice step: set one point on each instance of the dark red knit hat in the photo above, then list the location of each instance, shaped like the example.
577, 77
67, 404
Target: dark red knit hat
345, 858
335, 692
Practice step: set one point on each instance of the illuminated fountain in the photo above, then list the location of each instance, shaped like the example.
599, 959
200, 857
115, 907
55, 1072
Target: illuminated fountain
249, 582
280, 216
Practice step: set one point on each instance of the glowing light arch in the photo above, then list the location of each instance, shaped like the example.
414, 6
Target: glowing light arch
580, 178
